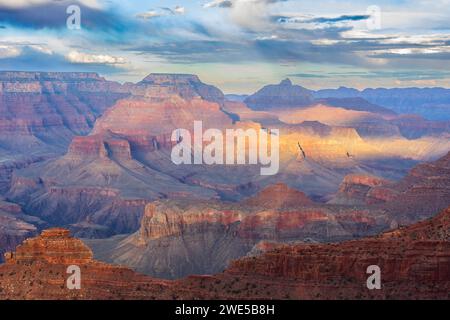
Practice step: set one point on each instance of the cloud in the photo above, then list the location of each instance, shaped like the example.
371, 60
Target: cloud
149, 14
179, 10
29, 57
249, 14
9, 51
232, 3
201, 51
310, 19
52, 15
84, 58
307, 75
164, 11
403, 75
219, 4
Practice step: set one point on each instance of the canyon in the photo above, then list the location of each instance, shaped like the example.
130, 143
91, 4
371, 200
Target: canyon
93, 156
184, 237
414, 262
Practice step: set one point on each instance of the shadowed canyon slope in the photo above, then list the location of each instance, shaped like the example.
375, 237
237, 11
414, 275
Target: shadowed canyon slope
431, 103
15, 226
179, 238
94, 156
101, 185
40, 113
422, 192
414, 262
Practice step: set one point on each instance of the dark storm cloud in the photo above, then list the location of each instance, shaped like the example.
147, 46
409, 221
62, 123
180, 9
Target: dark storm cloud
420, 56
206, 51
343, 18
53, 16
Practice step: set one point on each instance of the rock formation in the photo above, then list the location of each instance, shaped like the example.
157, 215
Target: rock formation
38, 270
40, 112
15, 226
283, 95
180, 238
419, 195
414, 264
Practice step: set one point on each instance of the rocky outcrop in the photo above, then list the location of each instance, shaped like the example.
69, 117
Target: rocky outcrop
279, 196
363, 189
38, 270
424, 191
179, 238
53, 246
36, 103
414, 264
419, 195
40, 112
101, 185
283, 95
187, 86
15, 226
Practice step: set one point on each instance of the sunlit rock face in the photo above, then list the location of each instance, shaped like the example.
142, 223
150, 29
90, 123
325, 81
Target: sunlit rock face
106, 178
113, 169
182, 237
159, 85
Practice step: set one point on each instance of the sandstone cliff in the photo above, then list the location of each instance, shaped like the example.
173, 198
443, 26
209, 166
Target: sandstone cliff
414, 264
181, 237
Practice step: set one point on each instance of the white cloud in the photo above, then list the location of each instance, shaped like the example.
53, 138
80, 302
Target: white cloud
9, 51
84, 58
149, 14
179, 10
249, 14
41, 48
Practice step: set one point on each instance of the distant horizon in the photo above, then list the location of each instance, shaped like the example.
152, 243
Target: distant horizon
237, 45
107, 77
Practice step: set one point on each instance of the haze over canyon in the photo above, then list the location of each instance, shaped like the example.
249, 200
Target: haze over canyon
364, 178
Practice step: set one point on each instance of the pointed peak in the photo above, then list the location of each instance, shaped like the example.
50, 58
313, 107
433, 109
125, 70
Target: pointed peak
286, 82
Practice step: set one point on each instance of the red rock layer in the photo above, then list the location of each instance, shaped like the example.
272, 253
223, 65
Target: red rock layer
414, 263
278, 196
38, 270
424, 191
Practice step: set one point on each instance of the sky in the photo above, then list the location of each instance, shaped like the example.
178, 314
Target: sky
237, 45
